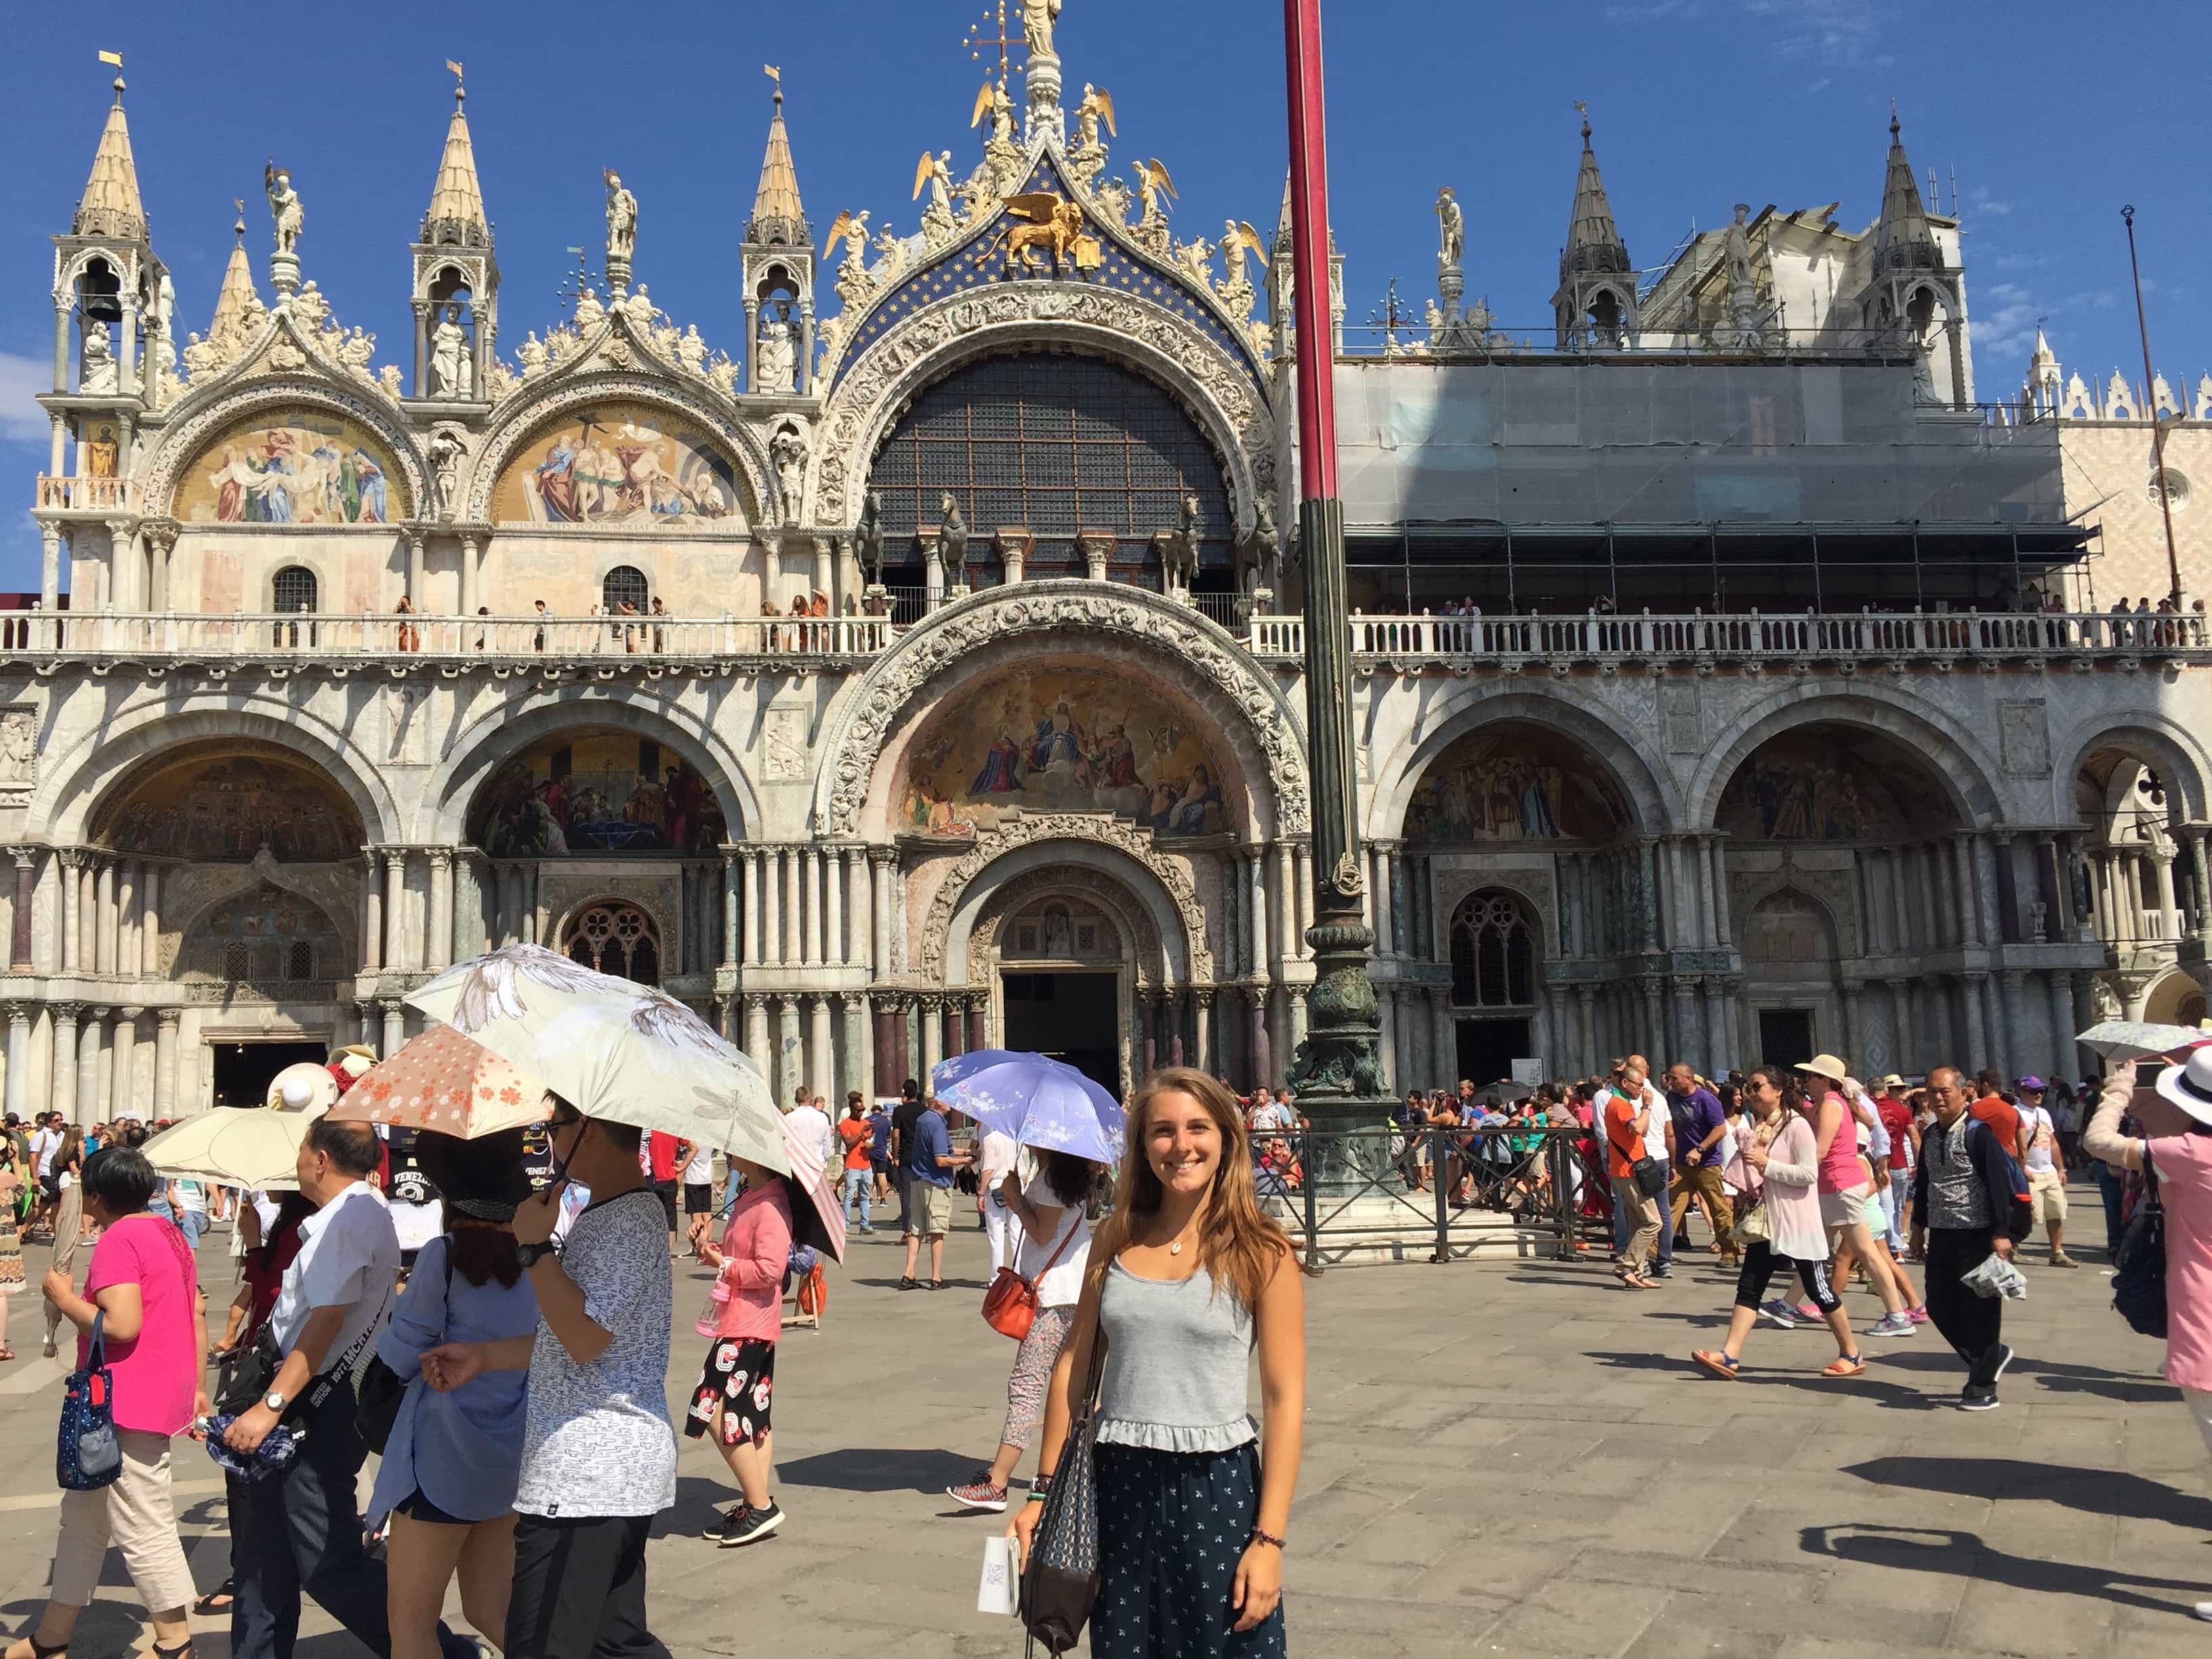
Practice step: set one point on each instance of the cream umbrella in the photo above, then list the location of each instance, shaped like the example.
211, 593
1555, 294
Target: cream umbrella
243, 1146
610, 1048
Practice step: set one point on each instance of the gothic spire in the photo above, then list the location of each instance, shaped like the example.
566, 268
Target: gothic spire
456, 217
236, 300
1904, 237
1594, 241
778, 218
109, 206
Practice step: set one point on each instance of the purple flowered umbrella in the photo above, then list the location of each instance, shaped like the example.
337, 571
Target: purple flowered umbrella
1039, 1101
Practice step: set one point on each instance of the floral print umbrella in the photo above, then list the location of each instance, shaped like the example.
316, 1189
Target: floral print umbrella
2127, 1039
443, 1081
624, 1052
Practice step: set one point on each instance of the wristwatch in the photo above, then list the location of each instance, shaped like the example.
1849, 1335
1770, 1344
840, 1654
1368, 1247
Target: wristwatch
276, 1399
531, 1255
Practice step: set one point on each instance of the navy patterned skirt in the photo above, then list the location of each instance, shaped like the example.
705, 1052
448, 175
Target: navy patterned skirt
1172, 1526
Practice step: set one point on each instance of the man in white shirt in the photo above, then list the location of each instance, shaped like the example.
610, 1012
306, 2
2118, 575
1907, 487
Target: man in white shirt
996, 1159
299, 1529
2046, 1177
810, 1120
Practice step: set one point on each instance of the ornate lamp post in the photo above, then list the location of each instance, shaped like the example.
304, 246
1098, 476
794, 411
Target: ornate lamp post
1337, 1074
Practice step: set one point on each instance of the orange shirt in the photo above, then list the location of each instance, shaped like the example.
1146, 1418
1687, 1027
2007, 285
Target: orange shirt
1620, 1115
854, 1132
1993, 1111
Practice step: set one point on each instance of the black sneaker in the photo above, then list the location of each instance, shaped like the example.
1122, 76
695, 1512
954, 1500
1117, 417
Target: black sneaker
752, 1526
732, 1517
2004, 1358
1979, 1400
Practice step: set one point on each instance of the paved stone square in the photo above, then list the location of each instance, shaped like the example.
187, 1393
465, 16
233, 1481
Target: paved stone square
1501, 1458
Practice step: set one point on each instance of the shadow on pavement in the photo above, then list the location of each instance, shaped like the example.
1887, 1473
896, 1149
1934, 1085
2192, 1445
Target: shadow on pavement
2095, 1491
1963, 1555
1890, 1397
879, 1469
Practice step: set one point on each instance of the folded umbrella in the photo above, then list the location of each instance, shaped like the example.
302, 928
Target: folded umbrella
1039, 1101
610, 1048
2133, 1039
444, 1081
244, 1146
825, 1229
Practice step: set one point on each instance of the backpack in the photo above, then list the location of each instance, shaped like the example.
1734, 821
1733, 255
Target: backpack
2139, 1284
2019, 1218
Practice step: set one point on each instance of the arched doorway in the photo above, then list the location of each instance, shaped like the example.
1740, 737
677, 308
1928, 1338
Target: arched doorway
1790, 954
613, 936
1495, 951
1061, 965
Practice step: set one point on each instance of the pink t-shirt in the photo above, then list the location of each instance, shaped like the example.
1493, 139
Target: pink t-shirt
155, 1372
747, 1299
2184, 1164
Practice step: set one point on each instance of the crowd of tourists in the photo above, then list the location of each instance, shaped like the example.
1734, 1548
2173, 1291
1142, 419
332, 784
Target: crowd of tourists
512, 1371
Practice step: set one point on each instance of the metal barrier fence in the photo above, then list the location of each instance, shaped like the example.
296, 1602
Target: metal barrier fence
1347, 1193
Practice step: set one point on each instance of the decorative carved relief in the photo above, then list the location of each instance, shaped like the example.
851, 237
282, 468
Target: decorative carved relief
2025, 734
19, 753
1026, 831
783, 744
958, 631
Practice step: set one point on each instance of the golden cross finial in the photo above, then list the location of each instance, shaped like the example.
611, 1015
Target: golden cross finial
975, 41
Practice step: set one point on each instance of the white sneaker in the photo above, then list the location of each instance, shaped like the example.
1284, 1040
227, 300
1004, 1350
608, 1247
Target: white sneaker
2204, 1610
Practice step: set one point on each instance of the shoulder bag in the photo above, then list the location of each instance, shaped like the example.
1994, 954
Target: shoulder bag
1649, 1173
88, 1455
2139, 1283
1010, 1305
380, 1390
1060, 1584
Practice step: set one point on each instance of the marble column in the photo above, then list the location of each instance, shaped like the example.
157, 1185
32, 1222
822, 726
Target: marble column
1854, 1027
1384, 857
1286, 905
2162, 875
1148, 1043
1255, 912
441, 928
1301, 857
833, 906
1719, 1055
397, 955
121, 1087
72, 951
150, 921
810, 906
979, 1035
732, 907
2203, 869
1297, 1020
104, 934
394, 1014
89, 1035
790, 944
1900, 998
88, 899
932, 1036
27, 888
1400, 913
890, 1064
166, 1024
62, 1092
18, 1100
902, 1041
756, 1043
884, 862
468, 934
857, 913
821, 1056
1386, 1050
772, 907
1994, 1017
2065, 1056
1443, 1044
1263, 1075
1584, 1061
790, 1048
1967, 890
747, 910
128, 950
1977, 1029
956, 1031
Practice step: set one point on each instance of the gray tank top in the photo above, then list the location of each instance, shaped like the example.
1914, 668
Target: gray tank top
1178, 1360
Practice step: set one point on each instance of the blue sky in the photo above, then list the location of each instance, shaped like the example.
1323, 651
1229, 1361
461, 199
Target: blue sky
2051, 114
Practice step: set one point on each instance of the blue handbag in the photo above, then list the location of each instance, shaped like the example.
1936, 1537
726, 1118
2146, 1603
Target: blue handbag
88, 1455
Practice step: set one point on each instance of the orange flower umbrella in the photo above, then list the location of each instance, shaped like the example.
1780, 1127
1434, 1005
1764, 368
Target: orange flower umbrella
443, 1081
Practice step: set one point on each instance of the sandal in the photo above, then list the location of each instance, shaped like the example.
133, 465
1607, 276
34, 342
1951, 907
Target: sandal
40, 1651
1847, 1364
909, 1284
182, 1650
217, 1600
1716, 1361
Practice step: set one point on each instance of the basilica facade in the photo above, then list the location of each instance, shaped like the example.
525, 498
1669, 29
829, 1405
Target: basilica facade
925, 674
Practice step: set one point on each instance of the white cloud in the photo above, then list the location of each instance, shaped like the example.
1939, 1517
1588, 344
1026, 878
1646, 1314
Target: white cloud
2007, 314
21, 420
1980, 199
1843, 34
1654, 11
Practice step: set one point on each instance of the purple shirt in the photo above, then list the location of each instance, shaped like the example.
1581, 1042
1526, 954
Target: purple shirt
1699, 1110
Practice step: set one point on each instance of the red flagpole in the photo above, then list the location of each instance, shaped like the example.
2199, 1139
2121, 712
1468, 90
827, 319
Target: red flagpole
1310, 253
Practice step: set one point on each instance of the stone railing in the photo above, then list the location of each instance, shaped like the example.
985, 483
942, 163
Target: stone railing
110, 636
1752, 637
88, 494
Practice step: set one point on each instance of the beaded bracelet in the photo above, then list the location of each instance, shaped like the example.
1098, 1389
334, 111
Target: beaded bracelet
1260, 1537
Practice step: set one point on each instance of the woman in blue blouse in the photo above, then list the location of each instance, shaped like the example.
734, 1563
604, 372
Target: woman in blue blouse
450, 1468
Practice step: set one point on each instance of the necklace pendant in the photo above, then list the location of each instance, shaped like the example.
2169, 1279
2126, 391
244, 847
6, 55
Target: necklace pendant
1176, 1248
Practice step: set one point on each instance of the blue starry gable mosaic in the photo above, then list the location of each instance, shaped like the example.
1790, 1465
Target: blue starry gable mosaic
979, 259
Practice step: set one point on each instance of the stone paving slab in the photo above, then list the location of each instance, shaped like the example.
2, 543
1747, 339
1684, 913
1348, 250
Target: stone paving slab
1503, 1458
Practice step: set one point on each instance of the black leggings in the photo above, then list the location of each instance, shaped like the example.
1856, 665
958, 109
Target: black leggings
1759, 1263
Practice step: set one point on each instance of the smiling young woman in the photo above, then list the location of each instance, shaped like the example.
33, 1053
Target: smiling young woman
1186, 1278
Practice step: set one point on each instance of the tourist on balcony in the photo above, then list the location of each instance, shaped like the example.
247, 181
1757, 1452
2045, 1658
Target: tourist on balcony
659, 633
800, 639
775, 634
1186, 1280
409, 639
538, 640
1053, 1250
624, 629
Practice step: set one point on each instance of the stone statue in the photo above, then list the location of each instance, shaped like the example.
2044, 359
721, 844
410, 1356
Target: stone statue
1739, 251
952, 539
446, 450
1253, 550
283, 206
452, 371
388, 379
1435, 320
1098, 104
621, 217
691, 350
1196, 258
165, 310
1453, 225
1114, 200
641, 311
935, 173
1038, 18
310, 308
868, 537
590, 313
356, 353
1179, 547
1002, 118
531, 351
891, 252
776, 362
787, 450
98, 375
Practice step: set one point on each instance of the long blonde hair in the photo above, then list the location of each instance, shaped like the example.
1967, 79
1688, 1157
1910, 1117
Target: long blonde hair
1238, 1245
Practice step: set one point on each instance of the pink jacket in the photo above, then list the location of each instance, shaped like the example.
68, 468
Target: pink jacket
1793, 1201
756, 1247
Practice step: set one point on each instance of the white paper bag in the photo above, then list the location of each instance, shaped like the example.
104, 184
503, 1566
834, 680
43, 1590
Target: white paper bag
999, 1590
